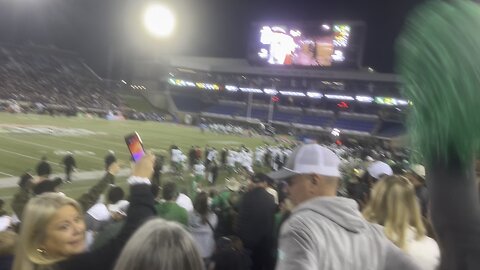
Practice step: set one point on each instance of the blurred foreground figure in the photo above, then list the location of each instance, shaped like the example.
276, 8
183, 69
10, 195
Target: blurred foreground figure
439, 61
394, 205
52, 235
325, 231
162, 245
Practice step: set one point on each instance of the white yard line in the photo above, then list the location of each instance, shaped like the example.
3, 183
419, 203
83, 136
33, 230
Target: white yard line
88, 145
41, 145
7, 174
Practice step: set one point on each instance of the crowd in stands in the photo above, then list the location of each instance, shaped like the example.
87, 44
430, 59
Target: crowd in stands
47, 76
386, 121
320, 207
47, 80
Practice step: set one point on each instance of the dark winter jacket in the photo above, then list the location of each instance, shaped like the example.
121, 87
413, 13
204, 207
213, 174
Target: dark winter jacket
256, 217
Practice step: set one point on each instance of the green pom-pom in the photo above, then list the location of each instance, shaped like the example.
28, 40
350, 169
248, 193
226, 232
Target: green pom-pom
438, 57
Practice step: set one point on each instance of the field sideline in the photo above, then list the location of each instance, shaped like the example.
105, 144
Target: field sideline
24, 138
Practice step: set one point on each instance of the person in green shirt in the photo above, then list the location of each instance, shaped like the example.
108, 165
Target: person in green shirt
169, 209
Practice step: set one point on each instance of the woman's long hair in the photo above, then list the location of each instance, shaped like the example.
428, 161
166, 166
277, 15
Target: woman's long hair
201, 206
393, 204
160, 245
36, 216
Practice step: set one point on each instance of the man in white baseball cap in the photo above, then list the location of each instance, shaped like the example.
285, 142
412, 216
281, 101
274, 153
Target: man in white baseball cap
378, 169
325, 231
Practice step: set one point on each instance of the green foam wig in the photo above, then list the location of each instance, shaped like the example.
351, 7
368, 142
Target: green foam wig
438, 58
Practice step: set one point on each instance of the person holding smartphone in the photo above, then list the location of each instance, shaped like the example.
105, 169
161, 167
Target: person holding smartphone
53, 229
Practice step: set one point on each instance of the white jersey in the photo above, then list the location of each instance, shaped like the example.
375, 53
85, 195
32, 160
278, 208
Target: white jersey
176, 155
246, 159
231, 158
212, 155
199, 169
259, 155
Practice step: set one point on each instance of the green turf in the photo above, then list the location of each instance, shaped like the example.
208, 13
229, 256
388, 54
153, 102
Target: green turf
20, 152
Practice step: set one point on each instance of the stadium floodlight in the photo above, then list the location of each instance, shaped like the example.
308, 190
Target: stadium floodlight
123, 81
314, 95
364, 99
292, 93
339, 97
326, 27
159, 20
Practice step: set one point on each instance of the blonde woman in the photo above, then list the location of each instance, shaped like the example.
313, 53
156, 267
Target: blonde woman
160, 245
393, 204
52, 235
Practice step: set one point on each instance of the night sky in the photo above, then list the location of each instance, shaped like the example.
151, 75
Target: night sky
108, 33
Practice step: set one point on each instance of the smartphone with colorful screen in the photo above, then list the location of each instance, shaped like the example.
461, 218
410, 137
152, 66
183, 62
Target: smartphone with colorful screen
135, 146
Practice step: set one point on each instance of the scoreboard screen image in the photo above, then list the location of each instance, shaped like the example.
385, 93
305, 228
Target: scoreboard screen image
312, 45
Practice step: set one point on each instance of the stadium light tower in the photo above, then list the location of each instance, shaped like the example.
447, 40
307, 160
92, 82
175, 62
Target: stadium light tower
159, 20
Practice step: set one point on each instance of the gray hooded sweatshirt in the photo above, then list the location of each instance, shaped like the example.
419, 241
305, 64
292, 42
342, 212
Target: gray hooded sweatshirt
331, 233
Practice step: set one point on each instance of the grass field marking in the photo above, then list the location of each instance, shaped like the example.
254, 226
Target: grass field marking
99, 140
41, 145
46, 129
7, 174
30, 157
83, 153
88, 145
107, 141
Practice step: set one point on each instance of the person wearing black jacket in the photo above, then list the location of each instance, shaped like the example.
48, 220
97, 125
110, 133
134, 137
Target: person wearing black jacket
223, 157
70, 165
191, 157
157, 171
256, 221
39, 229
43, 168
213, 173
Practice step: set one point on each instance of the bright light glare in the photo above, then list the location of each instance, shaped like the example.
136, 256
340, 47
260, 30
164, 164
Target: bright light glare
159, 20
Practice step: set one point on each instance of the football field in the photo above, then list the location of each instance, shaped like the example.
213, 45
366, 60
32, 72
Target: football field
25, 138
